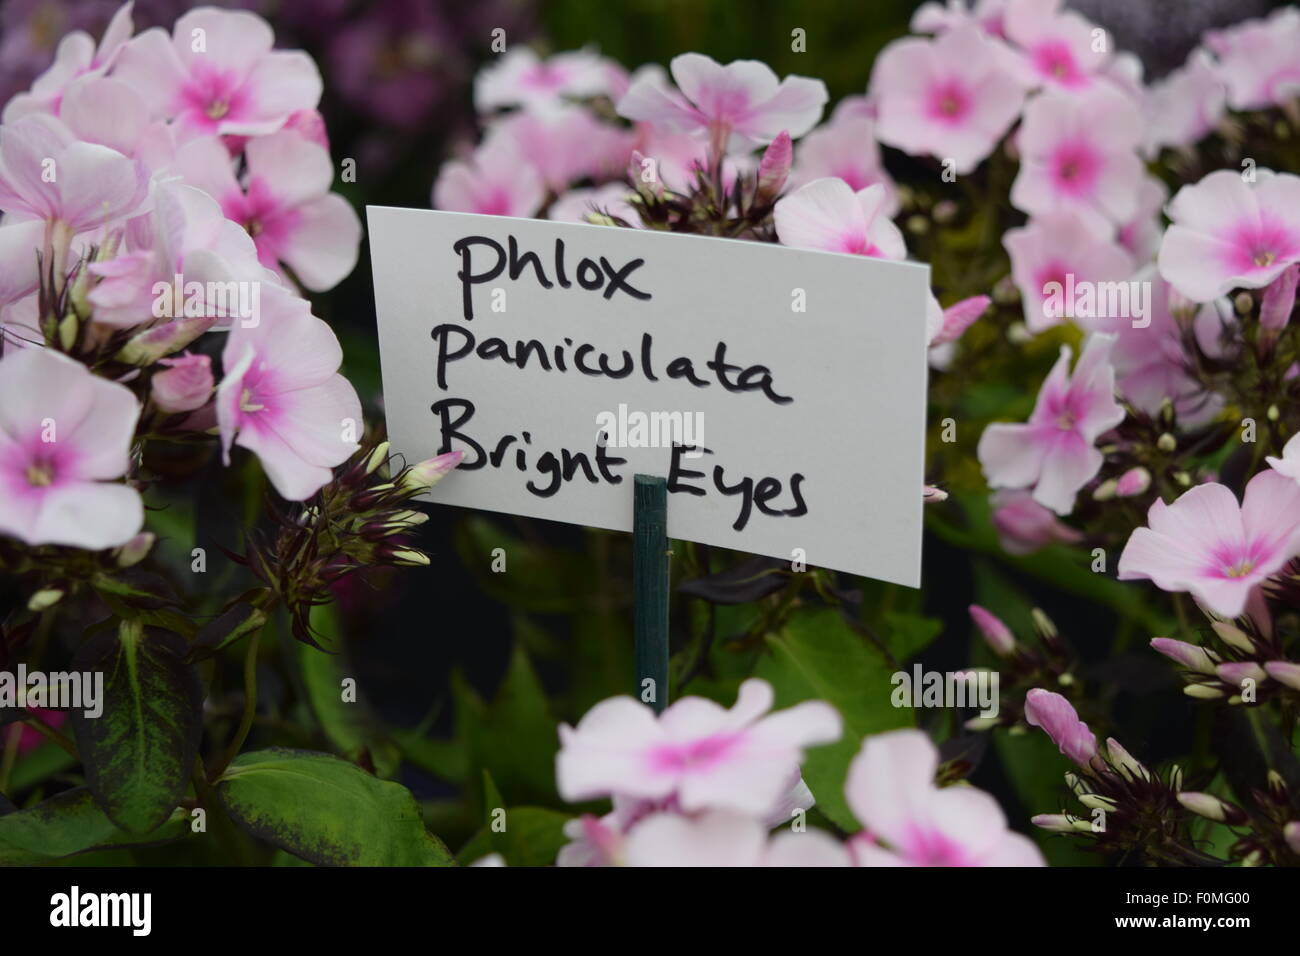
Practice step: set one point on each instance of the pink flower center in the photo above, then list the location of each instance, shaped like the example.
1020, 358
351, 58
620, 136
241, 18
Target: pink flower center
544, 77
931, 848
1239, 560
1053, 58
40, 474
213, 94
1075, 167
697, 755
949, 102
1259, 245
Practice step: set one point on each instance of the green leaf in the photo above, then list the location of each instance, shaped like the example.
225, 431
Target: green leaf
140, 751
327, 811
907, 634
532, 837
352, 727
68, 824
820, 656
225, 630
515, 737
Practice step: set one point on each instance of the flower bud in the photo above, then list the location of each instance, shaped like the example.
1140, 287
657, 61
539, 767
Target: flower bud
931, 495
1203, 692
1284, 672
1133, 482
1234, 672
149, 346
1191, 656
774, 168
1095, 801
406, 557
1167, 443
44, 599
1279, 300
1212, 808
996, 634
185, 385
1061, 823
377, 458
134, 551
1233, 636
420, 477
1123, 761
1291, 833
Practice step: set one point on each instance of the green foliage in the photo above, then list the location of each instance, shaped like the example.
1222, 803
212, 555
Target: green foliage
327, 811
139, 753
820, 655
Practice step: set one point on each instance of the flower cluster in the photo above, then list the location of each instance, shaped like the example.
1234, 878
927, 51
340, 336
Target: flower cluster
156, 188
700, 785
1067, 208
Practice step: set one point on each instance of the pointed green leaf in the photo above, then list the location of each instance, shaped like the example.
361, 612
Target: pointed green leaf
140, 751
327, 811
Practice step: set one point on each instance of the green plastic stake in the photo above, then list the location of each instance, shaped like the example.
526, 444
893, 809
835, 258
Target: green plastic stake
650, 588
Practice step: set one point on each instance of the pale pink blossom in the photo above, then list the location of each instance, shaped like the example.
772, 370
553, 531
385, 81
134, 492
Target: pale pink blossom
76, 56
911, 822
186, 235
1061, 48
1078, 153
844, 149
282, 397
184, 384
704, 755
522, 78
1060, 721
1051, 249
737, 106
936, 17
827, 214
20, 245
599, 841
217, 74
1142, 233
612, 199
567, 144
1228, 233
1024, 526
673, 160
1259, 60
104, 110
65, 437
283, 201
952, 97
1054, 451
1186, 105
496, 181
1149, 357
1219, 551
46, 174
724, 838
